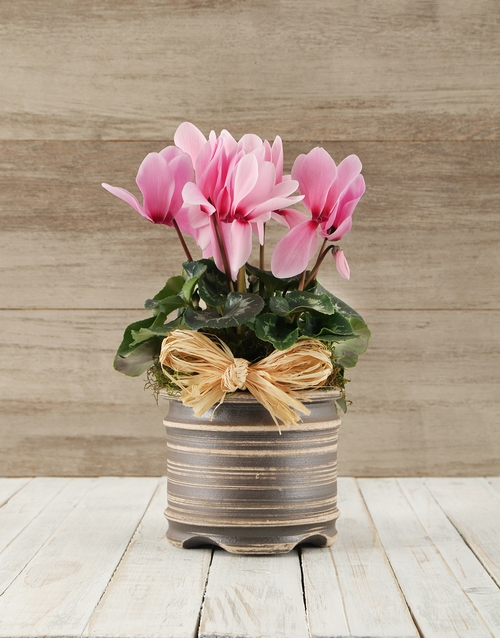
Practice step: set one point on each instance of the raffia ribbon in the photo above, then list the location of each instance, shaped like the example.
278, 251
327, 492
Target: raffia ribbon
212, 371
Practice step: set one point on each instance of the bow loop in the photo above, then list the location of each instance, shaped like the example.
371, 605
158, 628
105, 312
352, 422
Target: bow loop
207, 371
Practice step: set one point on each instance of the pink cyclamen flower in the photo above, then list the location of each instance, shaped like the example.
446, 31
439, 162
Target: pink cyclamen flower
341, 263
330, 195
236, 191
161, 178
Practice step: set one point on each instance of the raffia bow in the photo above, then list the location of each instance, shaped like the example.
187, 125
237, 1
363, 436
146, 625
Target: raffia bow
212, 371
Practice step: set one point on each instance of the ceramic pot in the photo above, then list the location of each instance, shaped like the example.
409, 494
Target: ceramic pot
236, 482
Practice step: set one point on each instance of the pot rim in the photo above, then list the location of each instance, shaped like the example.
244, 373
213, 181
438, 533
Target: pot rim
314, 395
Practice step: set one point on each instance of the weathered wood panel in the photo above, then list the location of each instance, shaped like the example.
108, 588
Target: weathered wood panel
425, 234
376, 69
254, 597
440, 606
60, 587
350, 588
157, 589
425, 397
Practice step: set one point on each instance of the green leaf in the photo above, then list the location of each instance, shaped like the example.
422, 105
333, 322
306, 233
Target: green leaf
139, 359
143, 334
127, 344
166, 305
193, 270
239, 308
272, 283
170, 291
346, 353
212, 287
342, 403
338, 304
276, 330
298, 301
171, 288
326, 327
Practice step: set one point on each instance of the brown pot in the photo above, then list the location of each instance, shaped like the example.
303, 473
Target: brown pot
236, 482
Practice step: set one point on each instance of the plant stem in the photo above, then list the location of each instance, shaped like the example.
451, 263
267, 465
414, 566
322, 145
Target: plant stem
262, 263
183, 242
223, 253
261, 250
314, 271
302, 281
241, 279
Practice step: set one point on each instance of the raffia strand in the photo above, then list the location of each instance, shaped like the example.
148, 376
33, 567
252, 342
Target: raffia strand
207, 371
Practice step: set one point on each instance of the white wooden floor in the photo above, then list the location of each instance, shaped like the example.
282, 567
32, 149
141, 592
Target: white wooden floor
88, 557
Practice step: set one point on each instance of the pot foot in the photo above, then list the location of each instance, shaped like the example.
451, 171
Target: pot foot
248, 541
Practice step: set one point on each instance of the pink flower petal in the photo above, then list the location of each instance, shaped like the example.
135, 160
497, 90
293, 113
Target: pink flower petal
182, 220
341, 263
297, 167
169, 152
261, 192
182, 171
197, 217
276, 203
285, 188
192, 196
277, 158
348, 169
293, 252
127, 197
342, 230
289, 217
157, 185
249, 142
245, 178
239, 246
190, 140
317, 174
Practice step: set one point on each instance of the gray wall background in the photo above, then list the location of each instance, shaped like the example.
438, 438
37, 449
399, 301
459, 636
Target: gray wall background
88, 88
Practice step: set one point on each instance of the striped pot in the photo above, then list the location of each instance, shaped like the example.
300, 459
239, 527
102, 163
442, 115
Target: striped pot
236, 482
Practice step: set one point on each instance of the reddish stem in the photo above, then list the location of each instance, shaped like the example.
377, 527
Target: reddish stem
182, 240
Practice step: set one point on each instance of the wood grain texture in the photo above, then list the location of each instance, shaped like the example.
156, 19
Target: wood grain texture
413, 396
22, 548
10, 486
254, 597
157, 590
411, 87
425, 234
473, 506
350, 589
466, 568
59, 589
440, 607
371, 70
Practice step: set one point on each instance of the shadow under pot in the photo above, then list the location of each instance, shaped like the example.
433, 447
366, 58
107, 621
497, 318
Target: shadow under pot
236, 482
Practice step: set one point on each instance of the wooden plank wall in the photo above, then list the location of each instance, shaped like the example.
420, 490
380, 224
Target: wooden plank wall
88, 88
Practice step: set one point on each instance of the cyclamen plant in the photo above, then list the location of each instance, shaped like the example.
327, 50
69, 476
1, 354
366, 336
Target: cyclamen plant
223, 192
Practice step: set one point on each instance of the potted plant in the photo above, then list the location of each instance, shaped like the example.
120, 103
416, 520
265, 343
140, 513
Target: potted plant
252, 360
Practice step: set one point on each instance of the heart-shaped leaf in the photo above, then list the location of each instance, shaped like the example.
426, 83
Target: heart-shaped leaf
338, 304
298, 301
326, 327
127, 344
276, 330
346, 353
139, 359
239, 308
272, 283
212, 286
143, 334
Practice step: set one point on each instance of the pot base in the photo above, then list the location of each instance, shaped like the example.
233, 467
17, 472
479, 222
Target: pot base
261, 540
